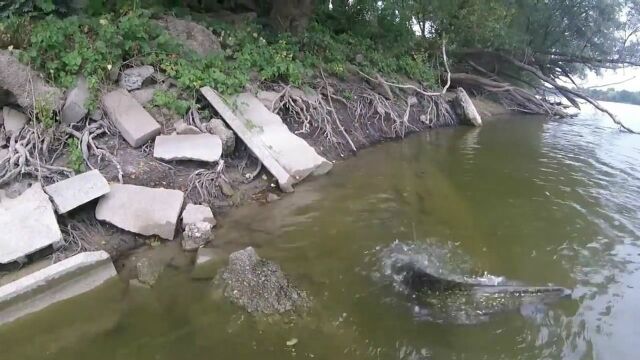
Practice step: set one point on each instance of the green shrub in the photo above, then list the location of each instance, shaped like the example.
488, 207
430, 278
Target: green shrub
75, 160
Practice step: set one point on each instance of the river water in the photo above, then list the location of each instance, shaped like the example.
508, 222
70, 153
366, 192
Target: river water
534, 200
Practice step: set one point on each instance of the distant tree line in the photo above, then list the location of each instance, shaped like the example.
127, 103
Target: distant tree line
620, 96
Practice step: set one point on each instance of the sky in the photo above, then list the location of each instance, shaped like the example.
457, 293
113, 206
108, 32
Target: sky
630, 78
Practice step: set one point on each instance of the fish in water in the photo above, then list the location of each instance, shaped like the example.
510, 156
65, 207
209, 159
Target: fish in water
424, 273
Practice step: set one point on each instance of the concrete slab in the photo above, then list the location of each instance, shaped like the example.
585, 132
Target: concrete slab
78, 190
27, 224
14, 120
197, 213
265, 131
141, 210
63, 280
255, 144
135, 124
201, 147
75, 107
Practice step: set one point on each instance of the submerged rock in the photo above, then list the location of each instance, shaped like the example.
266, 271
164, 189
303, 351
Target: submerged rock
197, 235
259, 285
148, 271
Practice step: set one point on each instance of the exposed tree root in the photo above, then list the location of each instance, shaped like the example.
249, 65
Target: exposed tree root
203, 184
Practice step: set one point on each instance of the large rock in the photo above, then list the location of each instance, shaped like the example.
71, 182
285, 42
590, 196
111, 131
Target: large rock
148, 271
288, 157
183, 129
217, 127
14, 120
465, 109
133, 78
75, 107
208, 261
135, 124
78, 190
259, 285
193, 214
144, 96
141, 210
63, 280
203, 147
27, 224
194, 36
25, 85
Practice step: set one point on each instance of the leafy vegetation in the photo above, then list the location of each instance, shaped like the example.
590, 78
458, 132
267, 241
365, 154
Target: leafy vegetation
621, 96
75, 160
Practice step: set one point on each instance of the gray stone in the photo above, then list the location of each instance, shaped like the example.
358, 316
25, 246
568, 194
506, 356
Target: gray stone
3, 154
63, 280
203, 147
196, 235
144, 96
133, 78
27, 224
197, 213
14, 120
78, 190
288, 157
141, 210
218, 127
97, 115
465, 109
184, 129
268, 98
259, 285
148, 271
194, 36
75, 107
208, 260
133, 121
271, 197
25, 85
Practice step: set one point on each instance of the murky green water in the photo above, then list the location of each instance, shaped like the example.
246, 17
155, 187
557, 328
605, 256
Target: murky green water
533, 200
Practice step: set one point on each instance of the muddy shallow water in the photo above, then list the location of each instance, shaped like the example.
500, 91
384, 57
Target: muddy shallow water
537, 201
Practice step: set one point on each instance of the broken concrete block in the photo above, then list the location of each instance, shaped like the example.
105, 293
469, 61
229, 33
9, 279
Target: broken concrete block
141, 210
75, 107
133, 78
197, 213
60, 281
27, 224
217, 127
288, 157
203, 147
78, 190
144, 96
14, 120
197, 235
133, 121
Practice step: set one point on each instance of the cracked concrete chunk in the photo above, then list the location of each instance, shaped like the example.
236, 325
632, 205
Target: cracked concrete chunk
60, 281
135, 124
75, 107
203, 147
78, 190
197, 213
27, 224
133, 78
14, 120
141, 210
197, 235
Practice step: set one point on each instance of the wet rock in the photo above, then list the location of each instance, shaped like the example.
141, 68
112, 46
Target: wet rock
228, 138
135, 124
14, 120
60, 281
271, 197
144, 96
194, 36
24, 84
148, 271
183, 129
78, 190
75, 107
27, 224
133, 78
465, 109
203, 147
259, 285
208, 260
197, 235
141, 210
193, 214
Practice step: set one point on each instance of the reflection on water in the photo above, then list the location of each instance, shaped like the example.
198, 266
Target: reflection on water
538, 201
